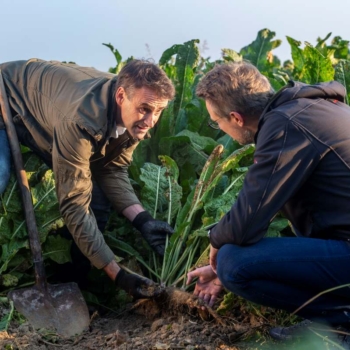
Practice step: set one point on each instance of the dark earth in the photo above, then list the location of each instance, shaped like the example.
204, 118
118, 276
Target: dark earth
144, 325
178, 323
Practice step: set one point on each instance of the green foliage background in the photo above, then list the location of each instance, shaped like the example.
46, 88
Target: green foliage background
182, 174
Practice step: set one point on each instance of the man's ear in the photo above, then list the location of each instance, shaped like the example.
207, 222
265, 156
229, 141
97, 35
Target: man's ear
120, 95
237, 118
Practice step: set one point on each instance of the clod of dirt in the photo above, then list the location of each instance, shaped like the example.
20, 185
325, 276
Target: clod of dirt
157, 324
116, 338
176, 301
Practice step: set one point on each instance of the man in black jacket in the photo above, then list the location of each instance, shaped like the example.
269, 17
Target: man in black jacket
301, 168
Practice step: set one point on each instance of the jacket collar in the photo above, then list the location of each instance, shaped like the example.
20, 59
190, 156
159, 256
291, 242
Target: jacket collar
269, 105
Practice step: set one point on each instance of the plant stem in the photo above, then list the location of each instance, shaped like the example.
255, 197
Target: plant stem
190, 260
318, 295
157, 194
35, 206
170, 200
232, 184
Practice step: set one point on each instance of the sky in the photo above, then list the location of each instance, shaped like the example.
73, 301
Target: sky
74, 30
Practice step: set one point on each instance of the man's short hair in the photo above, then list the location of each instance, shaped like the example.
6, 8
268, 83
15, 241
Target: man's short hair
137, 74
235, 86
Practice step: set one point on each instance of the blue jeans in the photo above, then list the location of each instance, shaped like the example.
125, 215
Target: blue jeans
5, 161
284, 273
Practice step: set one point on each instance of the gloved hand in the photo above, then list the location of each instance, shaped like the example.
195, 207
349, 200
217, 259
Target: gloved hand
137, 286
153, 231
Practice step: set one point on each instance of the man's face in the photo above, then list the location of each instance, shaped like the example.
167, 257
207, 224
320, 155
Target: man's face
140, 111
232, 126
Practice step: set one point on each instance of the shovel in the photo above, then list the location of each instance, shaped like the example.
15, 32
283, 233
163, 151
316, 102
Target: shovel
61, 306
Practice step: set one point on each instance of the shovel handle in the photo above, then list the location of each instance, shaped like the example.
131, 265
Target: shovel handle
33, 234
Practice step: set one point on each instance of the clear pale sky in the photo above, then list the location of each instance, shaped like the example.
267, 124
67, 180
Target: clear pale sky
74, 30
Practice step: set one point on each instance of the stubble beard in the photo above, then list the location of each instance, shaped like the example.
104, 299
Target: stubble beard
138, 133
247, 138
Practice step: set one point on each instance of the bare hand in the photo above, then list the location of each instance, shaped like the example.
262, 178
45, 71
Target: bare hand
212, 258
208, 285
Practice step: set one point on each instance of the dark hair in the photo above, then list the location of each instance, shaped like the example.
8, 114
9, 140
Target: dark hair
235, 86
141, 73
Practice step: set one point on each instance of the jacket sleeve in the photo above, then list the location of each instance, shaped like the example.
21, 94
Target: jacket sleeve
71, 151
115, 183
283, 160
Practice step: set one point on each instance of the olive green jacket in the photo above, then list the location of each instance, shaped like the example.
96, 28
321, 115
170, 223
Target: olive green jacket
66, 113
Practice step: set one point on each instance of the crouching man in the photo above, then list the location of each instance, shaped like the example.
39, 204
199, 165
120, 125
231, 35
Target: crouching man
301, 168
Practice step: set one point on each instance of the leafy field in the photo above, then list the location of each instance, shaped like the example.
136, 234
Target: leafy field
187, 174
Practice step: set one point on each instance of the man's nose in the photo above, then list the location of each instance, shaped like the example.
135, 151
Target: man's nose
150, 119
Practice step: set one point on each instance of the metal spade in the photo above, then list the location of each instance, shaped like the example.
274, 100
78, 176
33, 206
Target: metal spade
60, 307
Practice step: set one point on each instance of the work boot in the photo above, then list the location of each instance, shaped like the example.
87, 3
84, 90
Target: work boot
290, 333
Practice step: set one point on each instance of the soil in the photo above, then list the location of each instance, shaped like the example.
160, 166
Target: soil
144, 325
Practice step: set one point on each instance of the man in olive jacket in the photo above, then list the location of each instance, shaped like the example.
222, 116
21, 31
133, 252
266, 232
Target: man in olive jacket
86, 124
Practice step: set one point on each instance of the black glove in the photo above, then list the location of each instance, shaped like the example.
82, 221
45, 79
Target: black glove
137, 286
153, 231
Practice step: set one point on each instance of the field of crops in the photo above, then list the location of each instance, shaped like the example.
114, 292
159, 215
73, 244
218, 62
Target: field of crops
187, 174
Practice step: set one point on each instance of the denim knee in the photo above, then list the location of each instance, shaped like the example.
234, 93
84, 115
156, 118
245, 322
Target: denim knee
5, 161
229, 268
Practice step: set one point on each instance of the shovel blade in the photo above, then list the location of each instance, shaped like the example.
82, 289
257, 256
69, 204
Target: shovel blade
60, 307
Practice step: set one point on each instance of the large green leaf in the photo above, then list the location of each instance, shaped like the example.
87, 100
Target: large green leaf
194, 117
229, 144
297, 55
217, 207
186, 146
186, 61
161, 191
230, 163
140, 156
340, 47
317, 67
164, 128
168, 54
259, 50
118, 57
342, 74
310, 64
57, 249
9, 250
9, 280
14, 236
5, 321
124, 247
276, 226
190, 119
182, 217
221, 201
46, 205
231, 56
174, 193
